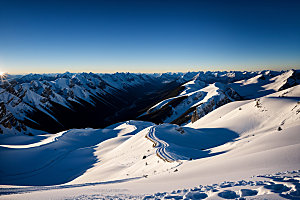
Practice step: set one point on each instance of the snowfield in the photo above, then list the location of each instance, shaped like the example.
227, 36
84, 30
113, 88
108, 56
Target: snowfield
245, 149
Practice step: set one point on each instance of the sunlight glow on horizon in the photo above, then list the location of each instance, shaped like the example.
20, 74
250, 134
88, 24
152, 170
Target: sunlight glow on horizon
147, 70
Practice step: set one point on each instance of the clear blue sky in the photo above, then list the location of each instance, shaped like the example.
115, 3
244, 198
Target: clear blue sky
148, 36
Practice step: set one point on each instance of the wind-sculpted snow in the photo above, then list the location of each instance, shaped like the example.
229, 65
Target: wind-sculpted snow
61, 157
67, 155
280, 185
51, 161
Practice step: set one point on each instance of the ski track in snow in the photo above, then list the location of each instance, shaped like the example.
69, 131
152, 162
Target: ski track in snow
160, 145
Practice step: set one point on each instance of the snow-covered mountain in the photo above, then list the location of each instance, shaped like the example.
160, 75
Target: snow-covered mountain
196, 100
55, 102
266, 82
244, 149
208, 91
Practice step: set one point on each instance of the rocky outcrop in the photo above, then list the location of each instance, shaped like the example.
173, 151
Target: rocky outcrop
158, 116
226, 96
205, 108
9, 123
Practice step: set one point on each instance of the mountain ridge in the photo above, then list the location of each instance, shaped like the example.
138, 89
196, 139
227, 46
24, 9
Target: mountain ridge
52, 103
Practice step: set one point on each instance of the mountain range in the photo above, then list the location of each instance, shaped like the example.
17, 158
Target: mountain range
196, 135
50, 103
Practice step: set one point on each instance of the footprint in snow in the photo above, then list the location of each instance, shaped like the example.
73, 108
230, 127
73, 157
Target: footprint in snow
195, 195
277, 188
248, 192
228, 194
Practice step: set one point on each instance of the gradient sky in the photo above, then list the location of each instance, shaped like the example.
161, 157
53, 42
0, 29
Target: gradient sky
148, 36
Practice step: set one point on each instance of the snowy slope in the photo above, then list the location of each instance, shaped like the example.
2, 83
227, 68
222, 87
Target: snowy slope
60, 157
219, 156
208, 91
196, 99
242, 149
260, 147
266, 83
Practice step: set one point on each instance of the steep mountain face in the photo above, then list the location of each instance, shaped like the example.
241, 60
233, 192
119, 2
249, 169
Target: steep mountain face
224, 95
57, 102
196, 100
9, 122
210, 90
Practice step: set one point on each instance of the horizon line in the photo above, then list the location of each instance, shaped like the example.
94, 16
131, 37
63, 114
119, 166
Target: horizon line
154, 72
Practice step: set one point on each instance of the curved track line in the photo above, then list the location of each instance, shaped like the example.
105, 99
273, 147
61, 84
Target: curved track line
160, 145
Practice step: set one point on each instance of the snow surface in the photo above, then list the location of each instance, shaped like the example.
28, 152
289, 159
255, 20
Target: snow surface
262, 84
234, 151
